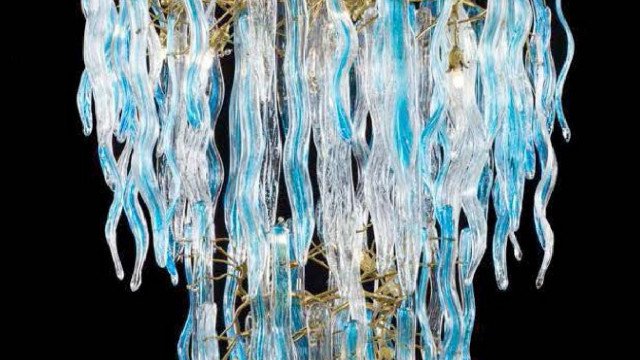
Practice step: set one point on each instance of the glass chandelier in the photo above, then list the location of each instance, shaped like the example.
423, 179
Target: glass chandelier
420, 113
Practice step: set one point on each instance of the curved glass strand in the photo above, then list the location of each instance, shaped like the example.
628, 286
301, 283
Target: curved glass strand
184, 342
197, 60
562, 77
251, 151
495, 117
281, 301
338, 197
543, 79
101, 19
116, 208
428, 348
215, 180
379, 176
260, 327
400, 83
472, 149
491, 57
138, 225
344, 55
296, 146
467, 293
201, 195
405, 342
237, 247
121, 46
84, 100
447, 292
142, 157
435, 309
520, 114
265, 36
452, 137
239, 349
542, 63
295, 159
167, 143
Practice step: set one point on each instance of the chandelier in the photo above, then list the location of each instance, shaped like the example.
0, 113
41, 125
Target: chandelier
418, 116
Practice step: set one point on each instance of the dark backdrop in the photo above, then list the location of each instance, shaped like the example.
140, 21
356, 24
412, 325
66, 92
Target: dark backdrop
88, 313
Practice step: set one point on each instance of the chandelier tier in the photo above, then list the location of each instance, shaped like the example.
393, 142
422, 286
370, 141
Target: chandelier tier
421, 114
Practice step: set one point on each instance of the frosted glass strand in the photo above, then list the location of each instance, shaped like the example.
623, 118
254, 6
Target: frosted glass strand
270, 179
421, 114
281, 318
318, 319
142, 167
96, 83
472, 145
123, 103
543, 77
236, 248
169, 170
490, 69
338, 196
132, 206
378, 173
510, 143
252, 145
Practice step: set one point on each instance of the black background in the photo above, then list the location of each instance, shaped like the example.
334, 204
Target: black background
83, 311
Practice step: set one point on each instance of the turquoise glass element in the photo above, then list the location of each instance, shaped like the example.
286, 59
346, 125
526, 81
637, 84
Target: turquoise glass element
406, 338
296, 146
343, 58
448, 294
562, 77
394, 12
351, 349
196, 69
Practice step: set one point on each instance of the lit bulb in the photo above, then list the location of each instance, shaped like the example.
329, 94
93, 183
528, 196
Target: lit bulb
457, 78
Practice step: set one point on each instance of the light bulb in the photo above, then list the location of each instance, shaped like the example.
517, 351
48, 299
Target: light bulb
457, 78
